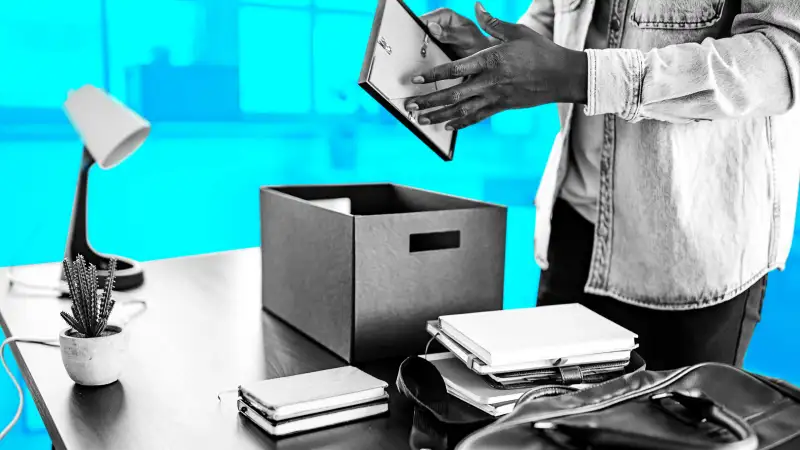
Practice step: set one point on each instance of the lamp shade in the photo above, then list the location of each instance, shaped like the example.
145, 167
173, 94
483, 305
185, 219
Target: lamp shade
109, 130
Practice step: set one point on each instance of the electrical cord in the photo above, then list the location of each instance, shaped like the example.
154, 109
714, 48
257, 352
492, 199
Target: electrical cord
48, 342
14, 280
61, 291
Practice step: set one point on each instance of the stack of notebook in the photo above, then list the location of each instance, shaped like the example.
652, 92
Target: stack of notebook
494, 357
310, 401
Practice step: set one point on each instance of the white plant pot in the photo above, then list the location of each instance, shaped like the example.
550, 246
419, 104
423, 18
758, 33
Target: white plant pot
94, 361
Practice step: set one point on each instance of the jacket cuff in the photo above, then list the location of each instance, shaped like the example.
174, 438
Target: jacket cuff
615, 82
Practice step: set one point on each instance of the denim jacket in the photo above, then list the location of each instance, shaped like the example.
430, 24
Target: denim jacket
699, 168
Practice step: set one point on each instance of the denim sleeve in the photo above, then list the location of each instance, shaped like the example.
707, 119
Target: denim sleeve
755, 72
540, 17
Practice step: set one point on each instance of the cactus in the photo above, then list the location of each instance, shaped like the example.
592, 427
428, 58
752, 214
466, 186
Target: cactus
90, 308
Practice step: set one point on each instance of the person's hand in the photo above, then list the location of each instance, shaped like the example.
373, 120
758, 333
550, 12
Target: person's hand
455, 31
525, 69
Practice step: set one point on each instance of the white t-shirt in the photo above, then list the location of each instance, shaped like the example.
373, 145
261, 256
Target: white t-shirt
581, 186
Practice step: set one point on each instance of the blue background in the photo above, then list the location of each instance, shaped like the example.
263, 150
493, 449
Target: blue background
243, 94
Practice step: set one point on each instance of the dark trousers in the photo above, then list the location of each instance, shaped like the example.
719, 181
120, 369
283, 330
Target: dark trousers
667, 339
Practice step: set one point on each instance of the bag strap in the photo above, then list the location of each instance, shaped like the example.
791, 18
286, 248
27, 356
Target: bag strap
781, 386
704, 407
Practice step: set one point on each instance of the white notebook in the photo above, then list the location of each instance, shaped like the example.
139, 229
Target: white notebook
476, 365
469, 386
314, 422
493, 410
311, 393
473, 390
515, 336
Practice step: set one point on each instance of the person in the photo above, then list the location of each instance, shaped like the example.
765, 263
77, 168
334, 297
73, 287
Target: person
670, 191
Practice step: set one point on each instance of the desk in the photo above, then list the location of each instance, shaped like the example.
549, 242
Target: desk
204, 332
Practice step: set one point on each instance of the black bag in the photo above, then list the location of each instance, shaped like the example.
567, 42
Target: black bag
441, 421
707, 406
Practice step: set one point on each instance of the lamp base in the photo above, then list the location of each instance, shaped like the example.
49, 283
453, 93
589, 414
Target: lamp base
128, 275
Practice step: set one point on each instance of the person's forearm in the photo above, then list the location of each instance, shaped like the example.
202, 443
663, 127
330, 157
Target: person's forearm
754, 73
576, 78
540, 17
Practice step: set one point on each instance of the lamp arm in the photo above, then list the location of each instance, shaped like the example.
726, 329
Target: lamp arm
77, 239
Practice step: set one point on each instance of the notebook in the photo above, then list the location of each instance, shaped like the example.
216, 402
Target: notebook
516, 336
314, 392
593, 373
479, 367
313, 422
493, 410
469, 386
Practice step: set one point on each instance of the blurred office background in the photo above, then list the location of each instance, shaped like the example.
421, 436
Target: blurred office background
243, 94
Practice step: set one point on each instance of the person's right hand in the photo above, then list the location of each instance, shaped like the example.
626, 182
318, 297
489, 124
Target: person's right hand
457, 32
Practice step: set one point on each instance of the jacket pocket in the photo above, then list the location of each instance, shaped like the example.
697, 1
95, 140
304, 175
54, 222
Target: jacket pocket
676, 14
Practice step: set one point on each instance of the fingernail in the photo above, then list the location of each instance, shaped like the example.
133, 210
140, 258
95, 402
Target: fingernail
412, 107
448, 128
435, 28
424, 121
481, 8
418, 80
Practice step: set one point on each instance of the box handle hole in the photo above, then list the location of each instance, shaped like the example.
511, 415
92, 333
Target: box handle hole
441, 240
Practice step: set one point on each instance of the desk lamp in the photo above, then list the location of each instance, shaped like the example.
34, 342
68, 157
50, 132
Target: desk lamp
110, 133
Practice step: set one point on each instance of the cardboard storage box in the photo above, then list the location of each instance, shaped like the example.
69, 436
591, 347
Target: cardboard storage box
361, 268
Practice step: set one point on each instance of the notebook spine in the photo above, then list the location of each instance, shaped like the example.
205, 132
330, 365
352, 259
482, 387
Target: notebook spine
468, 344
462, 354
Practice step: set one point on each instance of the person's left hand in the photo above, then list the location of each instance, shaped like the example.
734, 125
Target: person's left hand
525, 69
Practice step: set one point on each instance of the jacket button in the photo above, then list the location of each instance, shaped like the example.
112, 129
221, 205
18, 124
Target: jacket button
615, 23
602, 230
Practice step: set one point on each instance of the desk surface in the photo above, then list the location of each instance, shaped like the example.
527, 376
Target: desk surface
204, 332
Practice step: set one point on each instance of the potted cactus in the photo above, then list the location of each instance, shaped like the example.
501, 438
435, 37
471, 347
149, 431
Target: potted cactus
92, 350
